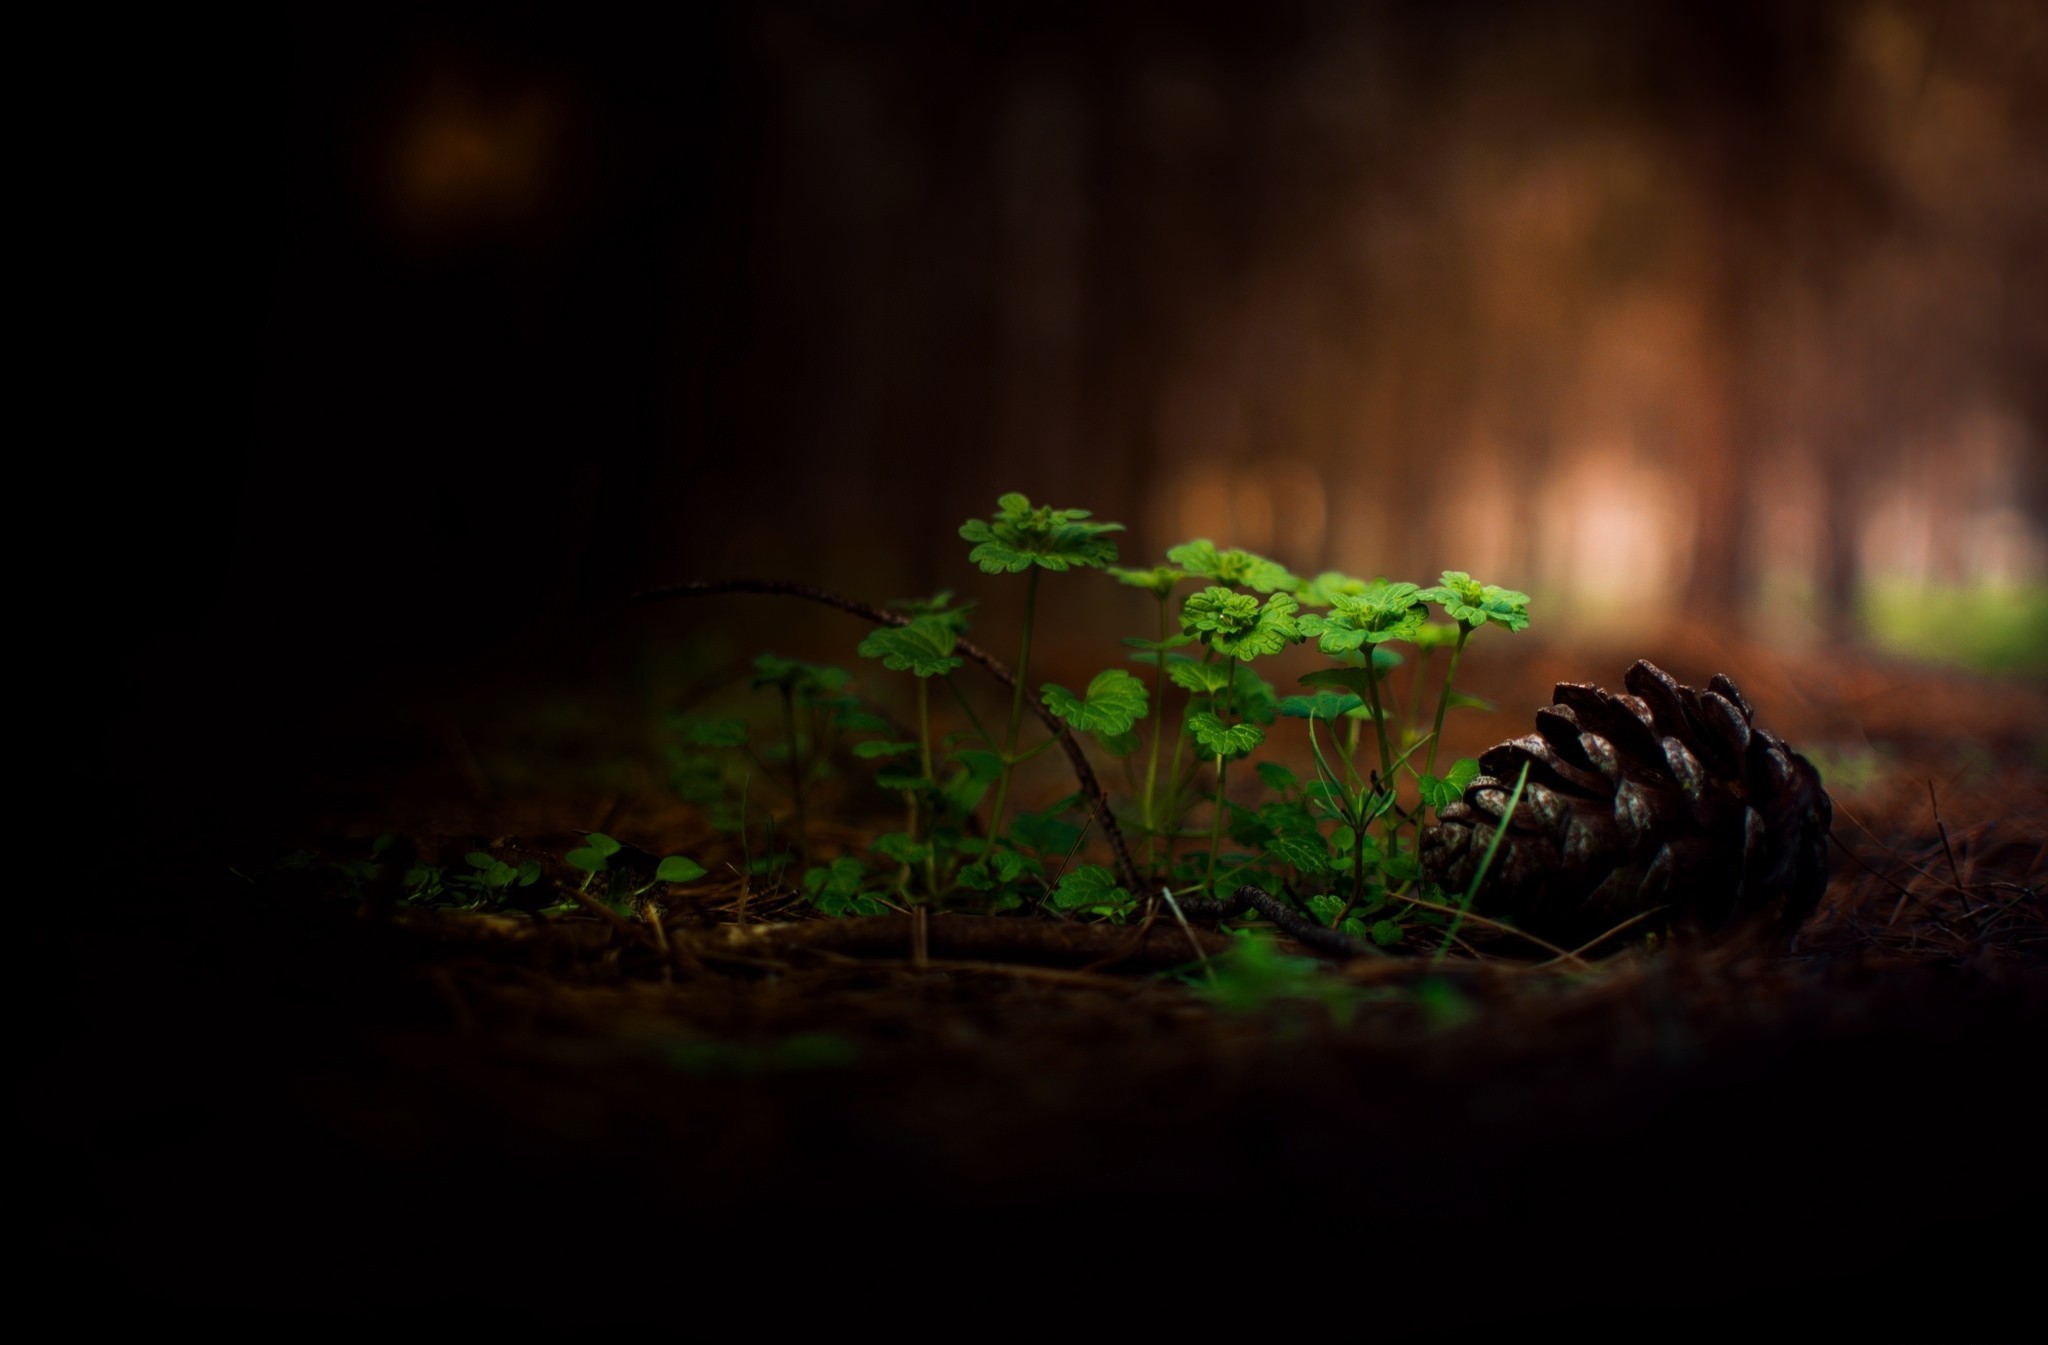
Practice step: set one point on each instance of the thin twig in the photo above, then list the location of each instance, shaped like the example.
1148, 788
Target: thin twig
1942, 828
1599, 939
610, 916
1127, 871
1189, 930
1495, 925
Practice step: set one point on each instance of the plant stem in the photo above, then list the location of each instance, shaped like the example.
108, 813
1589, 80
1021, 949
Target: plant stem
1443, 699
797, 782
1222, 764
1084, 774
1216, 828
1422, 657
1357, 876
995, 817
924, 760
1379, 721
1152, 823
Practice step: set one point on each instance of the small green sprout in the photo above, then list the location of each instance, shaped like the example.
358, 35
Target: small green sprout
1241, 569
840, 888
1472, 604
1159, 581
594, 857
1021, 538
492, 880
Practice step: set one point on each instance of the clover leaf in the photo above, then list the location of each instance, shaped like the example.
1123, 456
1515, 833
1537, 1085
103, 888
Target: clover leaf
1441, 793
1020, 536
1241, 568
1089, 887
1472, 604
1114, 701
1327, 587
1392, 612
1224, 740
924, 646
1204, 679
811, 680
1159, 581
1236, 624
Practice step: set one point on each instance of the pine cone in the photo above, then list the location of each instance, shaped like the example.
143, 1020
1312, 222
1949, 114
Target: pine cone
1667, 797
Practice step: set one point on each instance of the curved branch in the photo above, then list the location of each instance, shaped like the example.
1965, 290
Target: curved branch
1098, 800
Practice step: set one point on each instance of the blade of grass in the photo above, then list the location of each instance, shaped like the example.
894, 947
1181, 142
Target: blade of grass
1485, 863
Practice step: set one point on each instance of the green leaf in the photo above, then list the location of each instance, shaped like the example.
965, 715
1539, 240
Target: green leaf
587, 858
1460, 700
1119, 745
1020, 537
601, 843
868, 751
1436, 635
1441, 793
480, 859
715, 732
1401, 868
1087, 886
1219, 740
842, 877
1473, 604
1154, 647
1387, 612
1242, 569
1114, 702
1252, 696
1278, 777
1386, 933
1203, 679
1324, 705
1327, 587
924, 647
901, 777
772, 670
978, 763
1050, 836
1000, 868
1354, 679
939, 606
1159, 581
1306, 853
1238, 625
900, 847
677, 869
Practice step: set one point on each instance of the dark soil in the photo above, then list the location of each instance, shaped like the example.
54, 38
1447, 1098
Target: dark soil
275, 1098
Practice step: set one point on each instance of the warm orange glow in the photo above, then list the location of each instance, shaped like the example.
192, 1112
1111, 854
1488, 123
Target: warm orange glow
461, 160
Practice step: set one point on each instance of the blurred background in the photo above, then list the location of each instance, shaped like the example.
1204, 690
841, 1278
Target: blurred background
1735, 313
1732, 315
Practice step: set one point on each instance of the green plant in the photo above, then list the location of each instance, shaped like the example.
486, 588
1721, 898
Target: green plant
623, 888
1027, 540
1346, 841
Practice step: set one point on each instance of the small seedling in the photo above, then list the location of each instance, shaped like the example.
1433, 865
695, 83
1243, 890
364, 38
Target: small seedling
594, 858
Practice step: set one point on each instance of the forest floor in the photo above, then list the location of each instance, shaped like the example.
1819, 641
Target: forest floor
274, 1097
